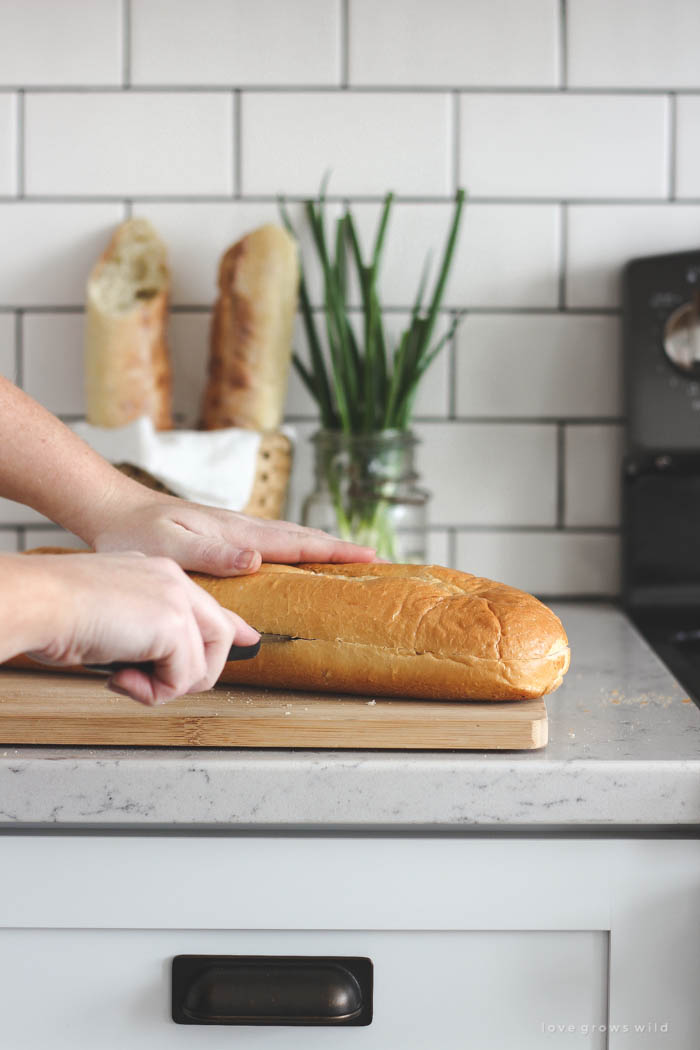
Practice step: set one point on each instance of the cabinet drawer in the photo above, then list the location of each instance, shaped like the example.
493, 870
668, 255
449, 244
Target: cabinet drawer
68, 988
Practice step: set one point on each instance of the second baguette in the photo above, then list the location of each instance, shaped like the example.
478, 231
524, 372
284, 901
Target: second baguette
251, 332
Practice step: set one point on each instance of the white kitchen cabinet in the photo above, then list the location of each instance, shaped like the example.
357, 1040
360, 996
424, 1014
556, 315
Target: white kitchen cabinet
495, 943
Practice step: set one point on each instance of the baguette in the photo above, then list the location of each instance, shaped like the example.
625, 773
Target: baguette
251, 332
410, 631
127, 370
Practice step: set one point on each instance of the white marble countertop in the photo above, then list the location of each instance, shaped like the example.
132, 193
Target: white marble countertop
624, 750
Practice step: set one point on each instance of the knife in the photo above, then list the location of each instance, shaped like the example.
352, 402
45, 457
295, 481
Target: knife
236, 652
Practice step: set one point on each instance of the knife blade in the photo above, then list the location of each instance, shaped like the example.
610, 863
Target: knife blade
236, 652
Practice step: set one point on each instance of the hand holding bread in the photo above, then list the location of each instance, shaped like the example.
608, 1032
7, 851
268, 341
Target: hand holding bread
130, 608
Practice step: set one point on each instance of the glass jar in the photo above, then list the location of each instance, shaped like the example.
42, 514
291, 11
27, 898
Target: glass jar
365, 491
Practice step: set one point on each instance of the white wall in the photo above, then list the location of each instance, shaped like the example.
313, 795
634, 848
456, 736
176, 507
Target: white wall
574, 125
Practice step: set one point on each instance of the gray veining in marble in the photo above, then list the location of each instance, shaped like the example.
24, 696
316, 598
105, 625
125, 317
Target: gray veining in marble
624, 750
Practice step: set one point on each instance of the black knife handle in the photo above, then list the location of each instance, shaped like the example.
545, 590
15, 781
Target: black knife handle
236, 652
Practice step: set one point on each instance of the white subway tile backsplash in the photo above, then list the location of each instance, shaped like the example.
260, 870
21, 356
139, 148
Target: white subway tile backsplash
602, 238
8, 144
47, 250
60, 42
7, 347
52, 537
489, 474
687, 144
633, 43
438, 547
593, 473
409, 43
104, 144
549, 365
561, 145
52, 346
197, 235
551, 564
8, 541
252, 42
478, 94
433, 398
369, 142
506, 256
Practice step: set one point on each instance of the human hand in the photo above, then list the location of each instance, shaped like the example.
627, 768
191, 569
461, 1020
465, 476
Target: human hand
133, 608
215, 541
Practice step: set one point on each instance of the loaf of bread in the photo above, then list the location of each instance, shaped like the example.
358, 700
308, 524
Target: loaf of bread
410, 631
251, 332
127, 370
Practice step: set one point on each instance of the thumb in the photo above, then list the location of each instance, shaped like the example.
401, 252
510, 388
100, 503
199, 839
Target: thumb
216, 557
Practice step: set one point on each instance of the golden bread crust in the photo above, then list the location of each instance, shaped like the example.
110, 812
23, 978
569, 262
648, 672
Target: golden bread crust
395, 630
127, 366
251, 332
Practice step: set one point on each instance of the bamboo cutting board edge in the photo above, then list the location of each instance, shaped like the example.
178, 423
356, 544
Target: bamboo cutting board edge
45, 708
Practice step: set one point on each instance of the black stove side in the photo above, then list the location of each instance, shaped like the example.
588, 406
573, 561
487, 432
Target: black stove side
661, 472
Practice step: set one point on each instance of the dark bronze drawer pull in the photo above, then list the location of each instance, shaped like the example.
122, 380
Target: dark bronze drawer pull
272, 990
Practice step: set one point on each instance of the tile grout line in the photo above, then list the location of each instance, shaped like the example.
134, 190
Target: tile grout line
452, 547
357, 198
561, 474
563, 249
359, 89
563, 46
237, 143
486, 421
672, 145
452, 373
126, 43
19, 348
456, 139
20, 145
344, 44
549, 530
480, 311
433, 527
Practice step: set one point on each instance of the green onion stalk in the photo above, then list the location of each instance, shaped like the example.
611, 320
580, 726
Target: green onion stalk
363, 386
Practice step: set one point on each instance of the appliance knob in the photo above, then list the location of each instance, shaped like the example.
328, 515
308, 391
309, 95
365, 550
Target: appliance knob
681, 338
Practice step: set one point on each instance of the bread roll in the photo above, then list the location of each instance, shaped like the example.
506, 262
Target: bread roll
251, 332
410, 631
127, 371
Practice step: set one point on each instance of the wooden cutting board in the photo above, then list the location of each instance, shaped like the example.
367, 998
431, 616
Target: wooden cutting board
44, 708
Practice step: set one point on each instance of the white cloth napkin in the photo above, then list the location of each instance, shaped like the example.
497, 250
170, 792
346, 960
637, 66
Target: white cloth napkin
214, 467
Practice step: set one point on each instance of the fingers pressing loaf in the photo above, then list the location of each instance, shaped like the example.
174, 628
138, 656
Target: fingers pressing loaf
127, 370
251, 332
395, 630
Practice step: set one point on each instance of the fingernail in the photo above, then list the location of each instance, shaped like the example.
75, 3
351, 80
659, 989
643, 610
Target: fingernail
245, 560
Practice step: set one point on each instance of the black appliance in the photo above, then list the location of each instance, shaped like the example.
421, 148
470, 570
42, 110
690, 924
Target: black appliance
661, 474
